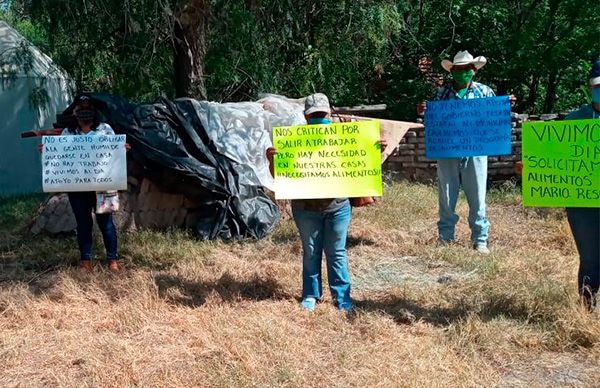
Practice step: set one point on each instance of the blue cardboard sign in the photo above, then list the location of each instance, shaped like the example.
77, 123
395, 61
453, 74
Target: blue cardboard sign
469, 127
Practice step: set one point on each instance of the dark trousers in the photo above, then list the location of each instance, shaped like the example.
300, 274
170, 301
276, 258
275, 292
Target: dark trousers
585, 225
83, 204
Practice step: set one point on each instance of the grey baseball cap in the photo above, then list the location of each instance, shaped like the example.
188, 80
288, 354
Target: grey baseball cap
317, 102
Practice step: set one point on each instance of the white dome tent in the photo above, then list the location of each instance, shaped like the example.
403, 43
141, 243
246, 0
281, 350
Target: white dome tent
32, 91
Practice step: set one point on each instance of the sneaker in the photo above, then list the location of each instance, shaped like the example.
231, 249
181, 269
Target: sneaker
308, 303
85, 265
113, 266
482, 248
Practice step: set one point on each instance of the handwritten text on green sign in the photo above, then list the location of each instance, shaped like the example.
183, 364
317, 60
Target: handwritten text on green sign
561, 163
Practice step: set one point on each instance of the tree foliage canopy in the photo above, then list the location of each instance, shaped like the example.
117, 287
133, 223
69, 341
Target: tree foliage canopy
355, 51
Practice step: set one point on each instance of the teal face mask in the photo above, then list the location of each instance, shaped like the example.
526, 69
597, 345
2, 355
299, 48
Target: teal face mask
462, 77
319, 120
596, 95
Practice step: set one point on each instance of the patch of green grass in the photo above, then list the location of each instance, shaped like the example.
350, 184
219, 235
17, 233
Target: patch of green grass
162, 249
22, 255
284, 376
504, 193
391, 212
285, 232
15, 212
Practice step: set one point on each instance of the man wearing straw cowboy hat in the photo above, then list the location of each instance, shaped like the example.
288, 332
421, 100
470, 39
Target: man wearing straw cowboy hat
468, 172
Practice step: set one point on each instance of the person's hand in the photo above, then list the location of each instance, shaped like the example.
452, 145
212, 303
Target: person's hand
345, 118
270, 153
519, 167
382, 143
40, 148
421, 109
127, 147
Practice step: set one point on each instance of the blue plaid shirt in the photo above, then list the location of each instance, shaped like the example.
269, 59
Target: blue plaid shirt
476, 90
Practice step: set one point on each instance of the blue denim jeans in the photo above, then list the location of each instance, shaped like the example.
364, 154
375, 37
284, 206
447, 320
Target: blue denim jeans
83, 204
471, 174
325, 232
585, 225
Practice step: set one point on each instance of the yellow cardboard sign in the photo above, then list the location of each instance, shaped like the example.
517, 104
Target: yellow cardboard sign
328, 161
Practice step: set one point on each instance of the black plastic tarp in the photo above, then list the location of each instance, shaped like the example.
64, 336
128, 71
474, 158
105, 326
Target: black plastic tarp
170, 144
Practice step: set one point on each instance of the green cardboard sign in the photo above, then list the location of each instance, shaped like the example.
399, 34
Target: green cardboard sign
561, 163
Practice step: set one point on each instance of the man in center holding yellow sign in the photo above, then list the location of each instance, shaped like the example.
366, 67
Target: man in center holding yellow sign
318, 166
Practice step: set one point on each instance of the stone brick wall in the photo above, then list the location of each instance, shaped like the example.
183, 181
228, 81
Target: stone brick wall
408, 159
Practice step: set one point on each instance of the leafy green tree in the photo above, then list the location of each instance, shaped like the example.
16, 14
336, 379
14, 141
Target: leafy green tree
138, 48
363, 51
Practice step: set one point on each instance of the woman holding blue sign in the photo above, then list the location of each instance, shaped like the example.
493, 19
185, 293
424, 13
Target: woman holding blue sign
468, 172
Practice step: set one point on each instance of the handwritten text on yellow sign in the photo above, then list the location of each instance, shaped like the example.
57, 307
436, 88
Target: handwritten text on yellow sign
327, 161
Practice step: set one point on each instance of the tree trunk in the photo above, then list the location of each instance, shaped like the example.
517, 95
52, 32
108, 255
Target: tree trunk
189, 45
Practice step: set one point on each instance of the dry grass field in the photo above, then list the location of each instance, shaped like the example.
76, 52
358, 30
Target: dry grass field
187, 313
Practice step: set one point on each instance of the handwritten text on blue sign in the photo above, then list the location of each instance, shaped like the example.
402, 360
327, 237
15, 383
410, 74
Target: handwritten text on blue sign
468, 127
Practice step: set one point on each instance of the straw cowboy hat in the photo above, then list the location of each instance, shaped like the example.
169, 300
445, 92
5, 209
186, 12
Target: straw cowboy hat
464, 58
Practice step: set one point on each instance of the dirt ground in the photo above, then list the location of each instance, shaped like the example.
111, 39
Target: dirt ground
190, 313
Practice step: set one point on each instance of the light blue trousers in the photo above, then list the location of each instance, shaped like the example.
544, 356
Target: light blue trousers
471, 174
325, 232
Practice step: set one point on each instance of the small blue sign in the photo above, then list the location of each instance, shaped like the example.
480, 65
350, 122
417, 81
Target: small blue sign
469, 127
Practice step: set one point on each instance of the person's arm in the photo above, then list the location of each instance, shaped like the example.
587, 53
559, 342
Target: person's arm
42, 132
436, 96
440, 92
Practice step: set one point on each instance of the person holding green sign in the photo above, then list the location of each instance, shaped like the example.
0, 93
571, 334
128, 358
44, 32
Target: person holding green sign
468, 172
585, 221
323, 226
